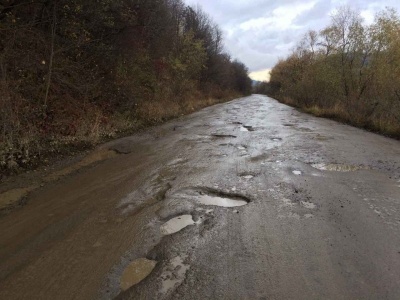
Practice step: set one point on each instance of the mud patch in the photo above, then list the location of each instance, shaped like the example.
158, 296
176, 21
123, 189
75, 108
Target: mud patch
259, 157
338, 167
176, 224
14, 197
92, 158
322, 138
136, 271
174, 274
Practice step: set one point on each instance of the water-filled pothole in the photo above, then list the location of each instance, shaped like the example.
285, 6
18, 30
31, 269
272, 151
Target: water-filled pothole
248, 175
296, 172
216, 198
220, 201
135, 272
338, 167
246, 128
176, 224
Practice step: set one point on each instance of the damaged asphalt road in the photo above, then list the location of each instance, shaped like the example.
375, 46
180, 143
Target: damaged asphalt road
249, 199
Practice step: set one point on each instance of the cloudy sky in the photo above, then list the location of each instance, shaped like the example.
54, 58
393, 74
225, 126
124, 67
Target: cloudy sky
259, 32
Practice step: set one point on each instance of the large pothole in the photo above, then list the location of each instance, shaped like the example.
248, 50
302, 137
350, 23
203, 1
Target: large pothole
218, 198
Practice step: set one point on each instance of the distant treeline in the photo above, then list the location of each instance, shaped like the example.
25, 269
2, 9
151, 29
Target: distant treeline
74, 71
349, 71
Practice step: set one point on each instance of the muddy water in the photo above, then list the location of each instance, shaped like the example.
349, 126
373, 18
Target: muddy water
136, 271
176, 224
220, 201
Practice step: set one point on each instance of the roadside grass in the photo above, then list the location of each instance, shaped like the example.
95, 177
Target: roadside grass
384, 123
33, 143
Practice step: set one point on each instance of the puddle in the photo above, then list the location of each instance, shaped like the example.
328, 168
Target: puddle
174, 274
247, 175
338, 167
295, 172
242, 147
308, 205
246, 128
176, 224
220, 199
136, 271
276, 139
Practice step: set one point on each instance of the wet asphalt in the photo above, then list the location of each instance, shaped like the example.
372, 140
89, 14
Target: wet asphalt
250, 199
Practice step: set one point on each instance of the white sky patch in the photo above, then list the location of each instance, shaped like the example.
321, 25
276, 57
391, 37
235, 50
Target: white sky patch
263, 75
368, 16
259, 32
282, 18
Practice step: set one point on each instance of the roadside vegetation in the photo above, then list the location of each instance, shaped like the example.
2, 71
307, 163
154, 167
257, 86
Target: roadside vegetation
348, 71
75, 72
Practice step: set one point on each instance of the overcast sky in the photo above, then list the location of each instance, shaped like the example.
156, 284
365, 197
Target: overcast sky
259, 32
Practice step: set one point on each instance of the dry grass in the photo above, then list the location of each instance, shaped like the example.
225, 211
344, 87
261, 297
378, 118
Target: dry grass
385, 124
78, 127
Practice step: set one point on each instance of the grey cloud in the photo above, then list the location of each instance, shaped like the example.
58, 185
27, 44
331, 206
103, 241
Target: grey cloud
260, 48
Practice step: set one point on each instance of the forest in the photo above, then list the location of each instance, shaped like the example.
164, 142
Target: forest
76, 72
349, 71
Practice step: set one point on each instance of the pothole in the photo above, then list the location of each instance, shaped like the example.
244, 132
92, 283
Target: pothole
246, 128
136, 271
216, 198
174, 274
176, 224
247, 175
338, 167
221, 136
